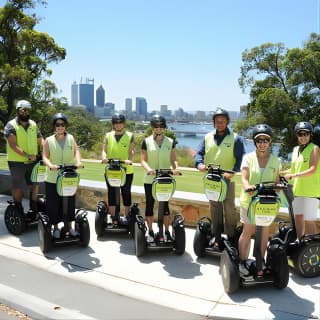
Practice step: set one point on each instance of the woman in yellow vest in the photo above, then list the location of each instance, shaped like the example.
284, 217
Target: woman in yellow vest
258, 166
59, 149
306, 180
119, 144
157, 152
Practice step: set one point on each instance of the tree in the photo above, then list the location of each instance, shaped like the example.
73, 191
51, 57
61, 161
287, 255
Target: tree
284, 87
24, 57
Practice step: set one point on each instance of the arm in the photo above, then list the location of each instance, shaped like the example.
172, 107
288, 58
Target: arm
12, 140
104, 156
174, 162
77, 155
46, 156
144, 162
199, 157
131, 150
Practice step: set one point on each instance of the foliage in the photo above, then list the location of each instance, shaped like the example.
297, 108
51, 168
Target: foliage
284, 87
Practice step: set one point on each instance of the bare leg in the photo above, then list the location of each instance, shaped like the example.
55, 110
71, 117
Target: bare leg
310, 227
245, 239
264, 240
126, 210
17, 195
149, 222
299, 220
166, 222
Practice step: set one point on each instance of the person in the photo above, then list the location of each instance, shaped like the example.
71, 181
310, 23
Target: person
305, 175
225, 148
119, 144
59, 149
257, 166
157, 152
24, 143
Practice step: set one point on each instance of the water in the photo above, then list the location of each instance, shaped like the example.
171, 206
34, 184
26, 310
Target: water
201, 129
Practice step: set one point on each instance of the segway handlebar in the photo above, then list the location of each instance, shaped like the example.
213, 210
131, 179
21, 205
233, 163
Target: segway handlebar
269, 185
164, 172
69, 167
115, 161
216, 169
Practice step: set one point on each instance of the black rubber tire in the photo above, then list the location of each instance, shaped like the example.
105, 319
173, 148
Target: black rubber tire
139, 241
229, 273
45, 238
280, 269
180, 240
14, 220
100, 222
199, 243
307, 260
84, 230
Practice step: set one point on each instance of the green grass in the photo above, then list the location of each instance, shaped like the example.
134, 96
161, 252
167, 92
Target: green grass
189, 181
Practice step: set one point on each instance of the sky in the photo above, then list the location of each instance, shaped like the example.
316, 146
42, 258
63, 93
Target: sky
181, 53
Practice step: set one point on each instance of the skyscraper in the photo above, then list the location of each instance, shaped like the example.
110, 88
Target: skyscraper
74, 94
86, 94
128, 103
141, 106
100, 97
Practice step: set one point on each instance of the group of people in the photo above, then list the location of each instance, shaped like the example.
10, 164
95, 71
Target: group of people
221, 146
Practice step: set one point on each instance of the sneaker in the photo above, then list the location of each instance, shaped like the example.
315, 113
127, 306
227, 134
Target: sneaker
150, 236
56, 233
168, 236
243, 269
73, 232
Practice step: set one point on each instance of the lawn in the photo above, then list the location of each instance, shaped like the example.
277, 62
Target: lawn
189, 181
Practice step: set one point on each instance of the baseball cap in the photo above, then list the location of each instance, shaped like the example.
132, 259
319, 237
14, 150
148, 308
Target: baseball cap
23, 104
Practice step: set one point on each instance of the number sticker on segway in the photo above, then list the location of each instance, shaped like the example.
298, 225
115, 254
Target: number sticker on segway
263, 214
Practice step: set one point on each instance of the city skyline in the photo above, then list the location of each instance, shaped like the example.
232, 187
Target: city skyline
176, 53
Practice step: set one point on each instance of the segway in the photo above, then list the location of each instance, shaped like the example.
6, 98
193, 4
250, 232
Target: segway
263, 209
215, 188
115, 174
304, 254
16, 220
163, 187
67, 184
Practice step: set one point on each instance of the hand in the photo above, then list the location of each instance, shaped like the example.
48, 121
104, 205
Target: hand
202, 167
54, 167
228, 175
104, 160
79, 165
288, 176
128, 162
151, 172
176, 172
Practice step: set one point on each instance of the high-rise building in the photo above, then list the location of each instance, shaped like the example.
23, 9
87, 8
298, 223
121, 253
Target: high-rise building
141, 106
128, 103
74, 94
100, 97
86, 94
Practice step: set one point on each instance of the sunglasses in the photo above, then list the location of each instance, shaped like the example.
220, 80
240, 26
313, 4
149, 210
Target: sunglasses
24, 110
60, 124
303, 134
118, 121
158, 126
262, 140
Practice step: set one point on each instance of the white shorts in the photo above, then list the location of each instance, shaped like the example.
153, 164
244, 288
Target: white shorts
306, 206
244, 216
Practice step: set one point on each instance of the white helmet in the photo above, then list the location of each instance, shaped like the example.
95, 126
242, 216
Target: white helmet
23, 104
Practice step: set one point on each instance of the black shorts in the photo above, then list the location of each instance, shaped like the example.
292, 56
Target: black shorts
20, 172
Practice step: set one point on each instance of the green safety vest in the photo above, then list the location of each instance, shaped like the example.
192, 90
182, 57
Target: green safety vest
223, 154
119, 149
59, 156
158, 157
255, 176
304, 186
27, 140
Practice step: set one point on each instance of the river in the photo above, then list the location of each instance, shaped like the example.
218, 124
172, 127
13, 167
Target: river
201, 129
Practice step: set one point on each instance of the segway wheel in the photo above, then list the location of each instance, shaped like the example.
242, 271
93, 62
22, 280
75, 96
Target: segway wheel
134, 211
307, 260
14, 220
180, 240
84, 230
100, 218
280, 268
199, 243
139, 241
45, 239
229, 272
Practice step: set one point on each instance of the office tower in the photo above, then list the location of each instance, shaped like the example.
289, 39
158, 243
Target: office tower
100, 96
74, 94
86, 94
128, 103
141, 106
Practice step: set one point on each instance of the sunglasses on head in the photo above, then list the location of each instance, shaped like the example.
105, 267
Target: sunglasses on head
303, 134
265, 140
60, 124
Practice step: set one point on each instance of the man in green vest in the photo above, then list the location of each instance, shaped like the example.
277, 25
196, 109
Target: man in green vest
225, 148
24, 140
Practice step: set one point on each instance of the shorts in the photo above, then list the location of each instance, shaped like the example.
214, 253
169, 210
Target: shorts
306, 206
20, 172
244, 216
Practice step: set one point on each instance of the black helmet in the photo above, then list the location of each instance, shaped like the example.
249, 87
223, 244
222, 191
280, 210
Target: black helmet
118, 117
316, 135
221, 112
58, 116
260, 129
303, 126
158, 120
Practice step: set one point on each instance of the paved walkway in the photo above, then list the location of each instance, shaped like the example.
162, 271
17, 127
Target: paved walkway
181, 282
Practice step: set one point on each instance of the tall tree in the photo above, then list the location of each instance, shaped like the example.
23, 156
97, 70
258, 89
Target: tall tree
25, 54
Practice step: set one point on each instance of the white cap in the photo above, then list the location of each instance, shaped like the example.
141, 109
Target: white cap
24, 104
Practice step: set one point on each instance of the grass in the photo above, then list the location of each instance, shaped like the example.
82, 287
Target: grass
189, 181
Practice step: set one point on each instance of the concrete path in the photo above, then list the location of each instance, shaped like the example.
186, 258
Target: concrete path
180, 282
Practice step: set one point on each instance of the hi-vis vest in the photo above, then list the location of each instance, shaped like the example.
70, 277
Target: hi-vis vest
119, 149
269, 174
27, 140
158, 157
304, 186
223, 154
59, 156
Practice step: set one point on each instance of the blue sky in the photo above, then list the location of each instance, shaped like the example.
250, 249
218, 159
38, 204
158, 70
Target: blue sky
181, 53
